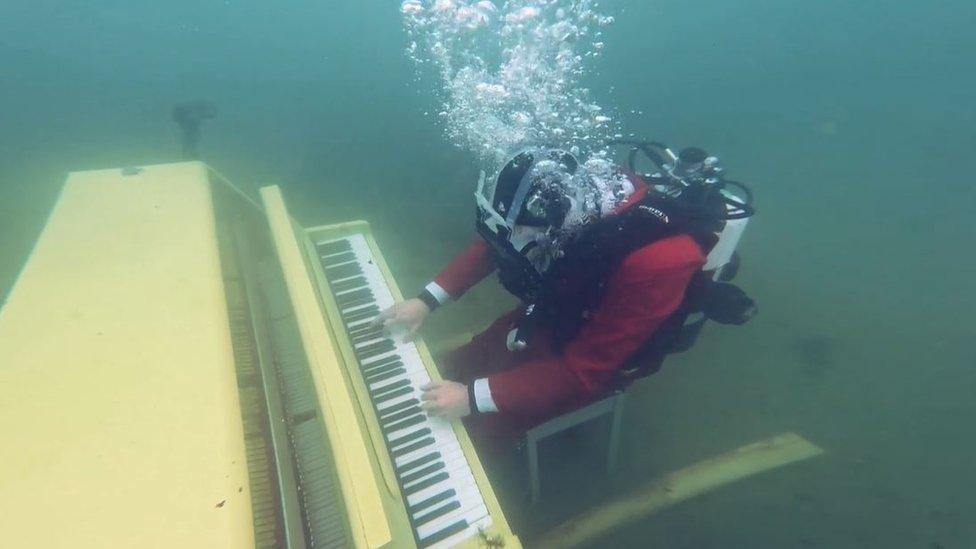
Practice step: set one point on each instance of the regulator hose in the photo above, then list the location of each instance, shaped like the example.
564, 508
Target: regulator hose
738, 209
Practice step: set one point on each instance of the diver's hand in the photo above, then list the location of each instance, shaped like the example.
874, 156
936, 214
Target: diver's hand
446, 399
407, 315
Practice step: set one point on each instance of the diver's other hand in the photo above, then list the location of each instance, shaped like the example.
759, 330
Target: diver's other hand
407, 315
446, 399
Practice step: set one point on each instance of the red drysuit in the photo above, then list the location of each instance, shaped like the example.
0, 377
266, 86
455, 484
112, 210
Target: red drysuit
536, 384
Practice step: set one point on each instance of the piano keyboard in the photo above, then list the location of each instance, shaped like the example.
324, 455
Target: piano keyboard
441, 496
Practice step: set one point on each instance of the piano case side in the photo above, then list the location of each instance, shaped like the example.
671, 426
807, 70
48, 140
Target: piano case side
377, 510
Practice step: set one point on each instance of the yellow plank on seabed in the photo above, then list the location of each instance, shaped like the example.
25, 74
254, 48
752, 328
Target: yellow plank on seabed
681, 485
119, 407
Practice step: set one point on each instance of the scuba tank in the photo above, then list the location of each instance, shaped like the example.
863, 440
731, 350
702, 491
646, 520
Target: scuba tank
698, 186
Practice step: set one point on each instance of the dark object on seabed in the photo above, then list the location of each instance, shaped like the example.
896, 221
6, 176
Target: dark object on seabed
817, 352
728, 304
189, 116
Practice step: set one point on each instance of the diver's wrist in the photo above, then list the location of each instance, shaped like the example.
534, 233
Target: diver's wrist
433, 295
472, 400
428, 299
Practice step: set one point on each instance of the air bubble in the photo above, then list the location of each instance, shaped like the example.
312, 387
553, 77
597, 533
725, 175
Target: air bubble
510, 71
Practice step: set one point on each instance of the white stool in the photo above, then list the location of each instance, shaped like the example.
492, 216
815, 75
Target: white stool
610, 405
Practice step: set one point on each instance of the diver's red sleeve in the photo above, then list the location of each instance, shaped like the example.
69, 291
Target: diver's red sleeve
647, 288
467, 268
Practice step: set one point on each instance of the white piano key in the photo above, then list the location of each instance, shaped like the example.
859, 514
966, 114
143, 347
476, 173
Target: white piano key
412, 370
400, 430
406, 409
458, 483
397, 429
469, 511
445, 455
379, 385
468, 493
454, 462
471, 531
446, 467
469, 499
448, 451
360, 323
442, 431
416, 373
470, 514
355, 308
365, 284
374, 359
335, 254
402, 444
455, 487
418, 377
418, 462
390, 404
369, 342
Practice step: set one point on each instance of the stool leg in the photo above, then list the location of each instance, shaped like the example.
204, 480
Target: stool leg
533, 453
618, 409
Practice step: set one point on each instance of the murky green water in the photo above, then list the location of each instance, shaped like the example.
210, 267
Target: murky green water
852, 120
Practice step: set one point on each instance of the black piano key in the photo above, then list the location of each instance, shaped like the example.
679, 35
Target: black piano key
444, 533
363, 339
385, 367
366, 329
353, 294
403, 424
398, 406
409, 436
381, 391
389, 359
432, 500
436, 513
334, 247
348, 284
393, 394
358, 302
348, 300
374, 349
383, 376
362, 336
360, 314
336, 259
365, 336
345, 301
393, 418
417, 462
417, 475
423, 443
424, 484
343, 271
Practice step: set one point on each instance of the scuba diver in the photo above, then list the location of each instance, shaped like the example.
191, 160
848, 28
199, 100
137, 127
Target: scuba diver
189, 116
614, 270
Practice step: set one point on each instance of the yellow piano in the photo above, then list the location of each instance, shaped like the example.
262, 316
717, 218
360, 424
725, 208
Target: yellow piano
183, 366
